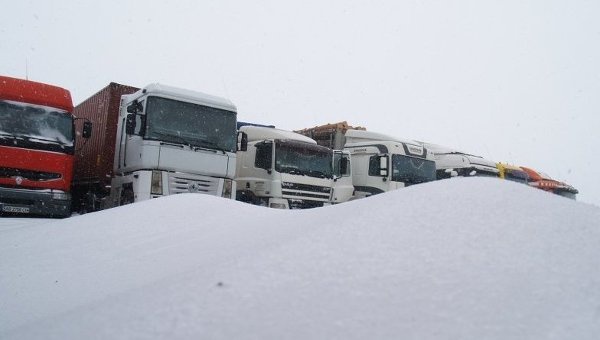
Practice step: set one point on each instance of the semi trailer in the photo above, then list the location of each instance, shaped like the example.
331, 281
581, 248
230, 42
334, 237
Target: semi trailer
156, 141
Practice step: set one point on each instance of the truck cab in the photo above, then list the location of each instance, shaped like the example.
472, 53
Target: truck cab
512, 173
382, 163
37, 144
283, 169
172, 141
450, 162
544, 182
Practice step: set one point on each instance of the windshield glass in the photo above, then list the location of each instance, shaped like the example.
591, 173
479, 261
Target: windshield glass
303, 159
36, 122
517, 176
192, 124
412, 170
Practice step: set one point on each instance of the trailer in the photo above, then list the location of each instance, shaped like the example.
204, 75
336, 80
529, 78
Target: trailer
94, 162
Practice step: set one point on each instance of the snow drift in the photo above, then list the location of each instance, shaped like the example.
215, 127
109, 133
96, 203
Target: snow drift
459, 258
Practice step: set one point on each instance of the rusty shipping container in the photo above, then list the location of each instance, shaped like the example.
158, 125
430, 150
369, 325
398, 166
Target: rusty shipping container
94, 157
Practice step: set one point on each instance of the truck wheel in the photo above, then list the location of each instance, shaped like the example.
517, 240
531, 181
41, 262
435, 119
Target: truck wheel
90, 202
126, 196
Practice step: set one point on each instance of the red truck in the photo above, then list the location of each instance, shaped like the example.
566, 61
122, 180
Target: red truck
37, 147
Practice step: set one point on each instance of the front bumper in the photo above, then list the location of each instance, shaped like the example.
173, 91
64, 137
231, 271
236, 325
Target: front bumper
35, 202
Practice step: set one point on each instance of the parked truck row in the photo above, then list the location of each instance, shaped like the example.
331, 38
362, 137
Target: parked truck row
449, 162
126, 144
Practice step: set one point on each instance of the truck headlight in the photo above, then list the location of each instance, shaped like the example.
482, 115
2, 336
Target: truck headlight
60, 195
156, 183
278, 206
227, 186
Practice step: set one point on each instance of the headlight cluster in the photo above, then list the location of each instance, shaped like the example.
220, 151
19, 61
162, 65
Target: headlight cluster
227, 188
156, 183
60, 195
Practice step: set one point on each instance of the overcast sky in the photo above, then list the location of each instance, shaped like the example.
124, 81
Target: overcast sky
513, 81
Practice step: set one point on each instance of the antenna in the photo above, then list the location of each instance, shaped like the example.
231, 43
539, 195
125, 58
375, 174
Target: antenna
26, 69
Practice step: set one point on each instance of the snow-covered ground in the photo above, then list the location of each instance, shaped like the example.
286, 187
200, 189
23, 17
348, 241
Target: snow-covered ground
465, 258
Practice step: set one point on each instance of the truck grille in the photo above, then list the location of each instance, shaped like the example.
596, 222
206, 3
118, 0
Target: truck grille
28, 174
185, 183
305, 191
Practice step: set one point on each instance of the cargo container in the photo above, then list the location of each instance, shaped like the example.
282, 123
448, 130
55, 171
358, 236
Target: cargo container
37, 146
94, 160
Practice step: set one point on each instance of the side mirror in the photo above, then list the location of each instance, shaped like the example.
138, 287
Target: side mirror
87, 130
135, 107
243, 141
383, 166
130, 123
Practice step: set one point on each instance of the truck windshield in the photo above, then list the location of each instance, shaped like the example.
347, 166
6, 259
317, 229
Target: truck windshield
517, 176
187, 123
412, 170
303, 159
35, 126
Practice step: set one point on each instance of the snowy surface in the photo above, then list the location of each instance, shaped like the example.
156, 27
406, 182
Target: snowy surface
464, 258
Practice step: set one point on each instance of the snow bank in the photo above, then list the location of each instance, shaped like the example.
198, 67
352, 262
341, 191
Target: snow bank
459, 258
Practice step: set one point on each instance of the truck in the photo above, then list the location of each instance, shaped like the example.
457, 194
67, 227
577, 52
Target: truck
451, 162
512, 173
282, 169
544, 182
37, 148
379, 162
382, 163
156, 141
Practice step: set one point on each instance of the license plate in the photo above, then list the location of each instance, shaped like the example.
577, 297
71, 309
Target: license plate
8, 208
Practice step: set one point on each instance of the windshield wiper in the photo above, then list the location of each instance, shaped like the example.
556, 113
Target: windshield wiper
181, 139
316, 173
292, 171
212, 145
43, 140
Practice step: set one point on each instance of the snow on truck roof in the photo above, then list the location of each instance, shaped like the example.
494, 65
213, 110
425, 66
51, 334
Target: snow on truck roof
357, 136
256, 133
187, 95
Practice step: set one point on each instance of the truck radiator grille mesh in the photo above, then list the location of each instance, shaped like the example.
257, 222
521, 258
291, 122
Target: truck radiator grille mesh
305, 191
185, 183
28, 174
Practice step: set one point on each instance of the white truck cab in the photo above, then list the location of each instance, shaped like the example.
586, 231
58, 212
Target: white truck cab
382, 163
172, 141
283, 169
450, 162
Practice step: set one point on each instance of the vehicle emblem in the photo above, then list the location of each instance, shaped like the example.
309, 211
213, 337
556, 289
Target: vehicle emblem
192, 187
19, 180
